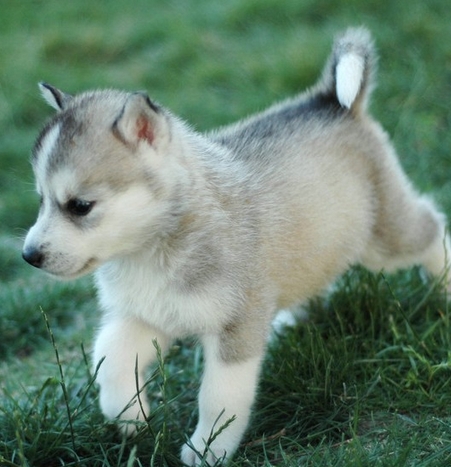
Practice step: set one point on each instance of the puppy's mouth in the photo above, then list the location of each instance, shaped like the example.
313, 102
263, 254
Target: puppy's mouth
88, 267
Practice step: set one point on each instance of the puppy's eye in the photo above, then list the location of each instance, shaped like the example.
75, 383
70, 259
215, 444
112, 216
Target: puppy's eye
79, 207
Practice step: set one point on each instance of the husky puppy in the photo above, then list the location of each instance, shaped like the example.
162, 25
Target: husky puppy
210, 235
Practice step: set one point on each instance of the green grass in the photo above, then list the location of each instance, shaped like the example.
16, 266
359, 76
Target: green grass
366, 382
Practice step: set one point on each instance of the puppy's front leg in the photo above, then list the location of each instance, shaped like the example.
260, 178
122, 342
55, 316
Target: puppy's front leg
125, 348
227, 391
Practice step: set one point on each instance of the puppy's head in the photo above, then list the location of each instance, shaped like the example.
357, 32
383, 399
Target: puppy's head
101, 171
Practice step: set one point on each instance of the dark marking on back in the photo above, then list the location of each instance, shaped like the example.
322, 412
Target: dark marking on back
318, 104
281, 121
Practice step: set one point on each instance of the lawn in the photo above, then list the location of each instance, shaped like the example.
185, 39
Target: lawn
366, 381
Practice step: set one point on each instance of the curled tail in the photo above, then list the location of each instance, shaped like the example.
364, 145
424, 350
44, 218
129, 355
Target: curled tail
348, 74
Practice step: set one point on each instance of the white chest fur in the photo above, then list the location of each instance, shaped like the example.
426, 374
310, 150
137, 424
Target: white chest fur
138, 287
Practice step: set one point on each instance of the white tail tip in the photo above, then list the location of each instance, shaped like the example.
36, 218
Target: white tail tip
349, 76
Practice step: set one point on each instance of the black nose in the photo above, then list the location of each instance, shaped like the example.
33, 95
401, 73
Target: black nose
33, 256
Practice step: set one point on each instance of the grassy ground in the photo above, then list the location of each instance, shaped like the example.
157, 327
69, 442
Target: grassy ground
366, 382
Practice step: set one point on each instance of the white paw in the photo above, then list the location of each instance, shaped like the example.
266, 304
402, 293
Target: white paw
129, 414
132, 419
198, 453
213, 447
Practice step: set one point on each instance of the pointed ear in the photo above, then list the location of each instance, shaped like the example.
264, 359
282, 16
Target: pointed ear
54, 97
139, 120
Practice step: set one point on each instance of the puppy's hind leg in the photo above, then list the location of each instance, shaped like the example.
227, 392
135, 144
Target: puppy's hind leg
411, 232
437, 256
123, 350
